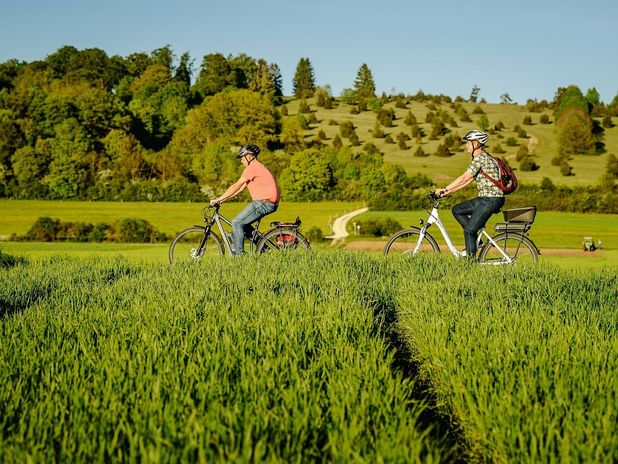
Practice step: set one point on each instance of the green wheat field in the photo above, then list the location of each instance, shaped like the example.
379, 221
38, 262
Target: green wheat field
336, 354
306, 357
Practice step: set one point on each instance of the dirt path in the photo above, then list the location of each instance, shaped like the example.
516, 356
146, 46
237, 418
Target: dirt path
532, 142
378, 245
339, 224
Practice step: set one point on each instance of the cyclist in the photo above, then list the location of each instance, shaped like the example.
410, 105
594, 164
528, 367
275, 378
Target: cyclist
264, 192
474, 214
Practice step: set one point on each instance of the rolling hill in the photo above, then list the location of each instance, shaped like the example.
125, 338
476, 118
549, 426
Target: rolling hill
541, 139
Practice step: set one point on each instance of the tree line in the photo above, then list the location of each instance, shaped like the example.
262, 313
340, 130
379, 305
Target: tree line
84, 125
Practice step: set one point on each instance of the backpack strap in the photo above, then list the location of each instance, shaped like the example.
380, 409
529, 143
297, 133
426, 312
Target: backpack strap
487, 176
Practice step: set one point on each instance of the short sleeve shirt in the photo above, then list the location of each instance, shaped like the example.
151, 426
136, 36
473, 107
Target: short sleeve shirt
262, 184
484, 162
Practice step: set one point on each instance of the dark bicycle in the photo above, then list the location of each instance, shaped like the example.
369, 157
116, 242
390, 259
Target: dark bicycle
198, 243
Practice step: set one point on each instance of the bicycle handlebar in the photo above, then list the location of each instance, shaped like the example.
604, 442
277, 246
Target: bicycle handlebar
433, 197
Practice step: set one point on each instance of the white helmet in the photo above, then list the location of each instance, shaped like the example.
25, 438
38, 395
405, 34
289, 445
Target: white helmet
478, 135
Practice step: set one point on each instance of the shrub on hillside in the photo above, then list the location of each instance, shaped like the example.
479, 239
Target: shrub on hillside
565, 168
377, 133
497, 149
511, 142
522, 152
443, 151
607, 122
386, 116
346, 129
410, 119
528, 164
420, 152
354, 140
304, 107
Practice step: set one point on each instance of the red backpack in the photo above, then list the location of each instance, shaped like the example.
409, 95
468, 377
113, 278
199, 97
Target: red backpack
507, 181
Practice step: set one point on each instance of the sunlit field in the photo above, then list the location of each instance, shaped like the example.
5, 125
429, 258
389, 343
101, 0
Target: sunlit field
559, 234
170, 218
541, 141
306, 357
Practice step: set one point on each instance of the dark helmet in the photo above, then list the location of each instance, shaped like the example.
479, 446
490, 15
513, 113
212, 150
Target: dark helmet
248, 150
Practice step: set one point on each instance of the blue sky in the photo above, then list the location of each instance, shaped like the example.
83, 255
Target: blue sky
526, 48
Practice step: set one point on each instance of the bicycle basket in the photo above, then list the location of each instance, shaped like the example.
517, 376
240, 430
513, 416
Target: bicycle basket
526, 214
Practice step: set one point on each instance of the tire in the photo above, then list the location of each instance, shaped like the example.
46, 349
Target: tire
404, 242
518, 247
192, 245
282, 239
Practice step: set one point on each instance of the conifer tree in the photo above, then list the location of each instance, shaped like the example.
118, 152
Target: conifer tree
337, 141
364, 84
185, 69
304, 80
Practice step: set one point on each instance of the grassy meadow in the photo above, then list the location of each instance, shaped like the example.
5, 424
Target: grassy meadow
551, 230
306, 357
19, 215
541, 140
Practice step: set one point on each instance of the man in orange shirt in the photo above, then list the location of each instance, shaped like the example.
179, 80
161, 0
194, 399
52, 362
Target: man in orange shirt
264, 192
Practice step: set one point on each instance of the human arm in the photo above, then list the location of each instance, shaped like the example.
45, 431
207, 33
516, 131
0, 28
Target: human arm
232, 191
461, 182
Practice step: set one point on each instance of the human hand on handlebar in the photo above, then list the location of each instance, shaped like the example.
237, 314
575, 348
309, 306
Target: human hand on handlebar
442, 192
215, 202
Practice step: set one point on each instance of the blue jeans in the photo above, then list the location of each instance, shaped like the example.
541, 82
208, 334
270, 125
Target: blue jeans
241, 224
473, 215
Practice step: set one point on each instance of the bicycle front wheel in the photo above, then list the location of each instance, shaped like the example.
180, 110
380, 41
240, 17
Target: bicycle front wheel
282, 239
517, 247
407, 242
193, 245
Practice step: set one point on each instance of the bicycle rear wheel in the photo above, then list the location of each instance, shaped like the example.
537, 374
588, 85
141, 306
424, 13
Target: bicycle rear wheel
193, 245
405, 242
282, 239
519, 248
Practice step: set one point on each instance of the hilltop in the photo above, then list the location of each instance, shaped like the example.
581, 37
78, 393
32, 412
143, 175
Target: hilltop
541, 139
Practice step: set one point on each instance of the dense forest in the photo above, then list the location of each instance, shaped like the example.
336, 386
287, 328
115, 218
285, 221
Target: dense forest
83, 125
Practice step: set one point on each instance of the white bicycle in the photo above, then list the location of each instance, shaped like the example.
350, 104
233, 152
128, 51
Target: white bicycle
509, 245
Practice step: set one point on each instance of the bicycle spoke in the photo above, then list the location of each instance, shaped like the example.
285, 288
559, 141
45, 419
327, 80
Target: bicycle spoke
192, 246
518, 248
407, 242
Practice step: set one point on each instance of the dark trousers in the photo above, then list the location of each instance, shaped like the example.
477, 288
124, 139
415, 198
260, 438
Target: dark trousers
473, 215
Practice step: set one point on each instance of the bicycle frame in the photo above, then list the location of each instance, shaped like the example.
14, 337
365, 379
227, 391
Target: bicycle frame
218, 219
434, 218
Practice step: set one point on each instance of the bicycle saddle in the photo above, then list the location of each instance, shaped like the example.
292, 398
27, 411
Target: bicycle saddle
296, 223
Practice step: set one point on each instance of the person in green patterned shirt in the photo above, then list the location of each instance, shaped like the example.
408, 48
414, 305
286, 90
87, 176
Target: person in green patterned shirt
474, 214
